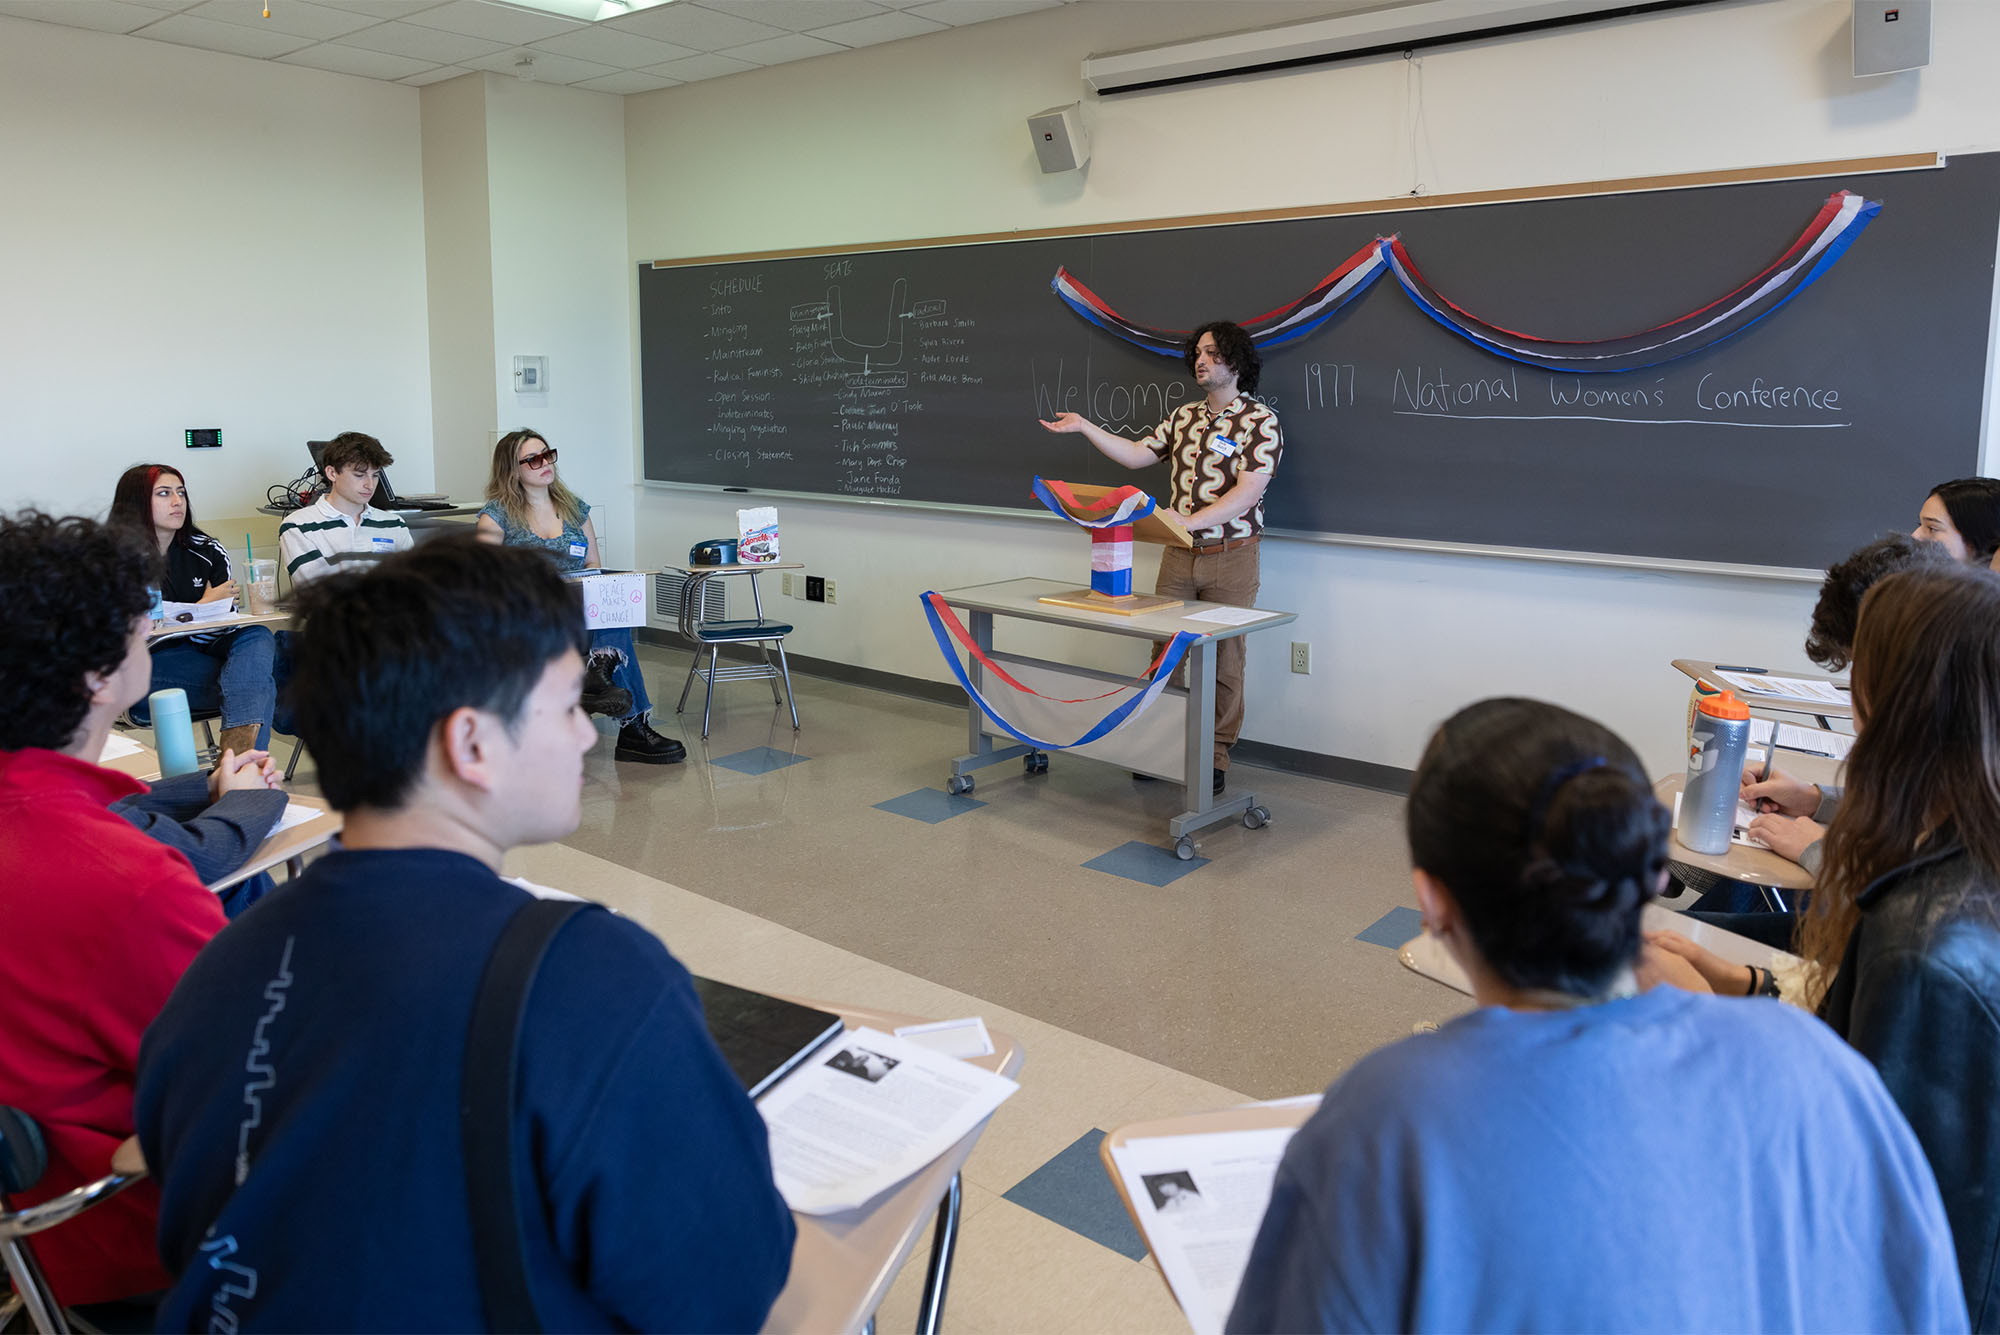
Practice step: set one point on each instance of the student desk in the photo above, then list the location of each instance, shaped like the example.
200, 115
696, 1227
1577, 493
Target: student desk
843, 1265
1753, 866
1168, 743
174, 630
1703, 670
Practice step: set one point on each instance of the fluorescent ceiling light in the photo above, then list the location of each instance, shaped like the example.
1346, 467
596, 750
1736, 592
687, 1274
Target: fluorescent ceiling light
590, 11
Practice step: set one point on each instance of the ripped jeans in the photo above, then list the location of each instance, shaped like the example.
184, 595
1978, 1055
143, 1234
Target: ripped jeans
626, 672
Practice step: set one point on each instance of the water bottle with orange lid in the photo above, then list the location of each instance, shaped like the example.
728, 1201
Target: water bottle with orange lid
1718, 746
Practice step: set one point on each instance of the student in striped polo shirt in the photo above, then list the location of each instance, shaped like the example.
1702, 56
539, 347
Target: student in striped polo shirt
342, 522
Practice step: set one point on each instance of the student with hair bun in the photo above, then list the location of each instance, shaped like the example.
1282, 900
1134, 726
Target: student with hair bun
1528, 1166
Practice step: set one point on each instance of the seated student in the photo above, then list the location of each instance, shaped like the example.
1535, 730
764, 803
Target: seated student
1903, 928
215, 820
439, 694
528, 506
98, 920
1528, 1166
229, 670
1963, 517
341, 521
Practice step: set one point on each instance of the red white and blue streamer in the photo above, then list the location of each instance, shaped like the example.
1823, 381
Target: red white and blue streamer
946, 627
1110, 520
1836, 226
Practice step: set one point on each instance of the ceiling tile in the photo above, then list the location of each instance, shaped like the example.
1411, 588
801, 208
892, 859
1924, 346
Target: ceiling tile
795, 15
438, 75
385, 9
625, 81
888, 27
609, 46
354, 60
977, 11
237, 40
432, 44
699, 29
498, 23
296, 17
549, 68
696, 68
101, 15
779, 50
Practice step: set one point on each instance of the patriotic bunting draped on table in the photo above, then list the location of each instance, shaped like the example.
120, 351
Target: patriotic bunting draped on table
1110, 522
1824, 241
946, 627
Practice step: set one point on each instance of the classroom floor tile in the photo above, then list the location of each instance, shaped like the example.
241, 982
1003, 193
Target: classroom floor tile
1074, 1190
930, 805
758, 760
1148, 864
1393, 928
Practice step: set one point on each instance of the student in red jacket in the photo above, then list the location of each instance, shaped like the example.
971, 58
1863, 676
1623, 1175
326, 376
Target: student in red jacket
99, 921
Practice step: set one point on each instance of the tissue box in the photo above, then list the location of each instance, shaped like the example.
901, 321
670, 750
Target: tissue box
758, 535
613, 598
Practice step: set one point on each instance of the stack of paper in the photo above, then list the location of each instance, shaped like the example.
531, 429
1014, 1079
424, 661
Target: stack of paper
1808, 689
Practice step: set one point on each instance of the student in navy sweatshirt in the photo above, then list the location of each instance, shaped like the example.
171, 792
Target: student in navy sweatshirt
299, 1095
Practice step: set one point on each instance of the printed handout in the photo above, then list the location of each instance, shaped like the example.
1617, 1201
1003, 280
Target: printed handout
1229, 616
1807, 689
1791, 737
117, 748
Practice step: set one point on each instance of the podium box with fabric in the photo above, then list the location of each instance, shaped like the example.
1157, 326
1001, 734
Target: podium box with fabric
1110, 587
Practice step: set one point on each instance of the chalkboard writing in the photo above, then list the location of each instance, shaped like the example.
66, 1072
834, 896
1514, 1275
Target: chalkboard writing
917, 374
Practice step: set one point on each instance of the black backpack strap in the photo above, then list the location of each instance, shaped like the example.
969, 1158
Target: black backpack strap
486, 1111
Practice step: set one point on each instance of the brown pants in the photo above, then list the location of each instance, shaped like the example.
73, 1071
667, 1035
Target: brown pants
1222, 577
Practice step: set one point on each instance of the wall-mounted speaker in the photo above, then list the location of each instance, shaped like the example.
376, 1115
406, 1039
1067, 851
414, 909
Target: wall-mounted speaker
1891, 36
1061, 144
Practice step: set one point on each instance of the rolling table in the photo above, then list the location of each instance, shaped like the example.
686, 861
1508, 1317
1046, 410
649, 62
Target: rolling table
843, 1265
1168, 743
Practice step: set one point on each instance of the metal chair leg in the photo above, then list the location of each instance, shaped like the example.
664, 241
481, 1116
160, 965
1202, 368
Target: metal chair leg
693, 663
791, 701
944, 1243
33, 1289
298, 749
764, 647
708, 699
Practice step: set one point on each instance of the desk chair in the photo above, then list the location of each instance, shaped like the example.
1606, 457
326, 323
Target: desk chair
712, 635
24, 1157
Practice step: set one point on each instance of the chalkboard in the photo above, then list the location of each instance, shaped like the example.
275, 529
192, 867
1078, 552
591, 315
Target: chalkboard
917, 373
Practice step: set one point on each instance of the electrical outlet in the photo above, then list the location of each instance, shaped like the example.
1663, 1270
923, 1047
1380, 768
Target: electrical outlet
829, 591
815, 589
1302, 656
787, 583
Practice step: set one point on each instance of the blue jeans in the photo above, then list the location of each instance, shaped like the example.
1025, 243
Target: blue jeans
232, 674
626, 673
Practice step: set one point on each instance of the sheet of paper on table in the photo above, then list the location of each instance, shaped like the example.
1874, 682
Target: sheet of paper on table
1789, 688
1739, 832
117, 747
296, 813
867, 1111
197, 612
964, 1039
1791, 737
1229, 616
1201, 1199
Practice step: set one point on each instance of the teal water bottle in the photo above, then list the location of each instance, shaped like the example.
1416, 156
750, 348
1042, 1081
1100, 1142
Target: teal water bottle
173, 732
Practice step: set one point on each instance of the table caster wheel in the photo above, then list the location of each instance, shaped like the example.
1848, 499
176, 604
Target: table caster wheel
958, 783
1184, 849
1035, 762
1256, 818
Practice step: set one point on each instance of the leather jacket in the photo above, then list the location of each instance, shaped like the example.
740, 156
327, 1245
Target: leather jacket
1918, 994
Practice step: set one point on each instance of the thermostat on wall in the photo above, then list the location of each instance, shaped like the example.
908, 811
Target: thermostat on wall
204, 438
531, 375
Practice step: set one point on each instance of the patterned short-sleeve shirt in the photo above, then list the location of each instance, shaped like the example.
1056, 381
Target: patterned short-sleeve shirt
567, 549
1207, 451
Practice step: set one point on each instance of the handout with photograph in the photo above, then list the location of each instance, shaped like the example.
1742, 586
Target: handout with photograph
1199, 1200
867, 1111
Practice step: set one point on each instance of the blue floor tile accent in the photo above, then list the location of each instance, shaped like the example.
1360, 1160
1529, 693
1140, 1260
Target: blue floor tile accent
1073, 1190
1149, 864
1393, 928
758, 760
930, 805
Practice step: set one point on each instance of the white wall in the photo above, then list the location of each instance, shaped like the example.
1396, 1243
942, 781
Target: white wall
926, 138
458, 269
191, 240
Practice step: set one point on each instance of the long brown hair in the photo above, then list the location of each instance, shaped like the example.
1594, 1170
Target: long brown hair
132, 504
1926, 755
505, 486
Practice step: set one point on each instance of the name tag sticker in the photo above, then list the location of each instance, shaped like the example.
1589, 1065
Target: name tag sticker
384, 541
1223, 446
578, 549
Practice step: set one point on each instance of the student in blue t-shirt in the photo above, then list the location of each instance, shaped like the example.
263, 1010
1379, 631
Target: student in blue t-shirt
1577, 1155
299, 1095
528, 506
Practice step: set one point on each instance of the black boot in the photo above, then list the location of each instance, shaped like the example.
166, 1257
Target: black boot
637, 741
599, 695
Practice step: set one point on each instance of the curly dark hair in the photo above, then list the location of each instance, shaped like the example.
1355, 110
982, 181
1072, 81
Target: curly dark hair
132, 502
72, 589
1236, 347
1830, 641
351, 448
382, 657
